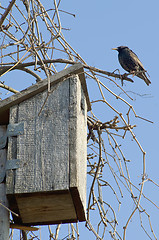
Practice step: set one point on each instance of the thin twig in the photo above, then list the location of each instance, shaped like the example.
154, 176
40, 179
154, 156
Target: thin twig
6, 12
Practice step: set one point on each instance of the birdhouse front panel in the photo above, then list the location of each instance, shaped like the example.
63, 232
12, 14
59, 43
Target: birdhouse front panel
43, 149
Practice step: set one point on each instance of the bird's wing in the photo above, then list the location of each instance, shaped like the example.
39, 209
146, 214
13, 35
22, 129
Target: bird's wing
137, 60
141, 75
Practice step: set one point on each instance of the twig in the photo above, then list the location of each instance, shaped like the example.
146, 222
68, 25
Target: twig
2, 85
57, 231
6, 12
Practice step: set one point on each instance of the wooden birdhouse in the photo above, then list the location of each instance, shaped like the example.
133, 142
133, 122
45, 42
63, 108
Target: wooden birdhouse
46, 142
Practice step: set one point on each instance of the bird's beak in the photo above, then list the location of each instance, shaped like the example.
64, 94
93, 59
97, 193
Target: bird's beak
115, 49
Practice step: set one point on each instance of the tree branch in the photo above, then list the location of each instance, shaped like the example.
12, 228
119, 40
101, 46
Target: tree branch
6, 12
2, 85
29, 64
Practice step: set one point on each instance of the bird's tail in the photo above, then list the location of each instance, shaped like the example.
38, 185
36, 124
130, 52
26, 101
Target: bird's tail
144, 77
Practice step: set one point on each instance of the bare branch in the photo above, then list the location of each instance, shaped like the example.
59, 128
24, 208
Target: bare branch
6, 12
28, 64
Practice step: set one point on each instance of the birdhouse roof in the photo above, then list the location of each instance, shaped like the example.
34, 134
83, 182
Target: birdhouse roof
40, 87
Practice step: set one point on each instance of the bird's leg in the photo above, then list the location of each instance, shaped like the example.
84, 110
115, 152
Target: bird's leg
133, 73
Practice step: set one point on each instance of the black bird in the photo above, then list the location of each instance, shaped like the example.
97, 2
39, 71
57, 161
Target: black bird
130, 62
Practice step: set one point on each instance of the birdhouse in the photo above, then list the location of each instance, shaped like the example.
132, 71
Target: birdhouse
46, 142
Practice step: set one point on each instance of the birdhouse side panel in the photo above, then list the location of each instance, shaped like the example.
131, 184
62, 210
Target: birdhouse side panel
82, 149
78, 139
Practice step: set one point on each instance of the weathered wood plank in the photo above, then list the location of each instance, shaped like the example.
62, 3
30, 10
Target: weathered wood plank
21, 227
43, 150
12, 153
78, 139
46, 208
4, 214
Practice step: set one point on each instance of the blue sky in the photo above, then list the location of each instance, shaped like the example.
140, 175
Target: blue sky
97, 27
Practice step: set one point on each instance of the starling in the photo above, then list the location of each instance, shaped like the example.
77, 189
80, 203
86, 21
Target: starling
130, 62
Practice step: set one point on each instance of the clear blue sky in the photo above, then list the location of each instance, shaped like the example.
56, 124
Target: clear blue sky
97, 27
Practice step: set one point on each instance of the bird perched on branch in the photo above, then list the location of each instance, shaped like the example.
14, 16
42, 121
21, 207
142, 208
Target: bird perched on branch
130, 62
